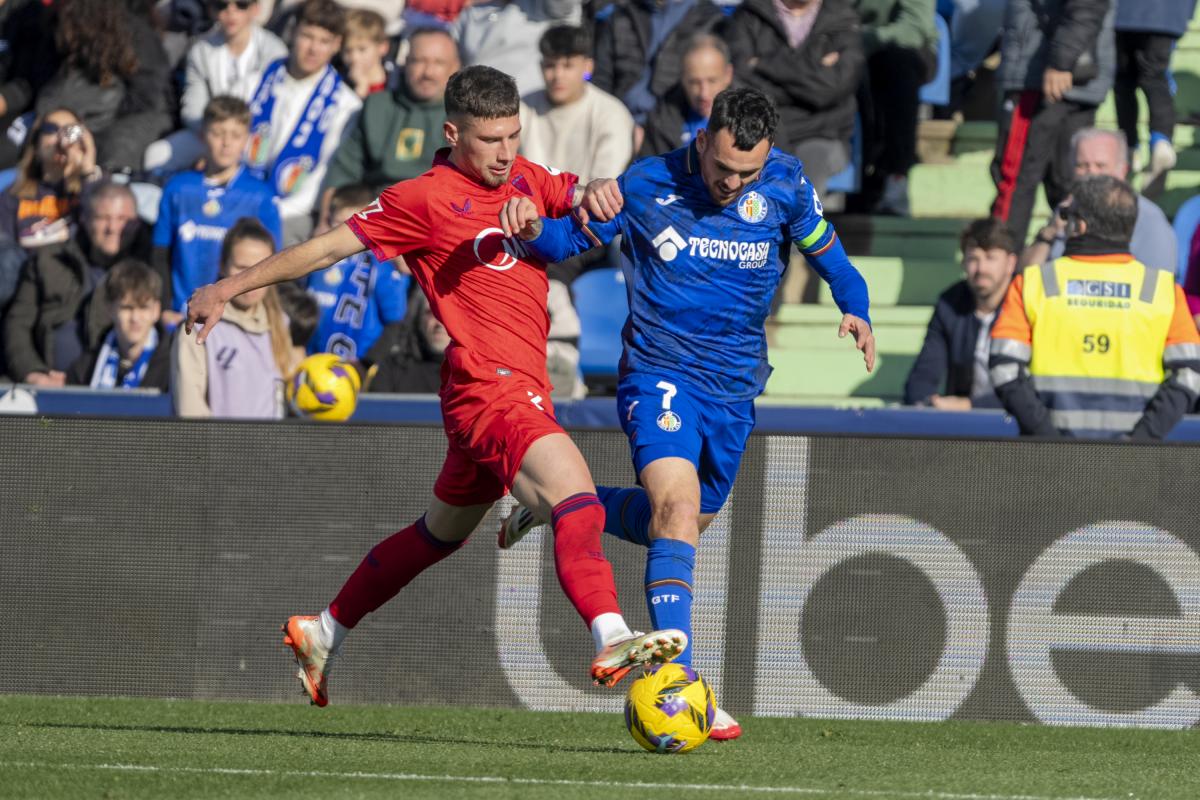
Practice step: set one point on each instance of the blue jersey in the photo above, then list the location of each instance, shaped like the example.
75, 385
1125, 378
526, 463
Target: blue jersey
703, 275
194, 215
357, 297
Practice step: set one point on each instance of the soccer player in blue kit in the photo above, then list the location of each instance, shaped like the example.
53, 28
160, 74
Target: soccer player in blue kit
707, 229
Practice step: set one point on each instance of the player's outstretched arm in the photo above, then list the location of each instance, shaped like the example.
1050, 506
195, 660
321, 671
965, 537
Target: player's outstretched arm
207, 304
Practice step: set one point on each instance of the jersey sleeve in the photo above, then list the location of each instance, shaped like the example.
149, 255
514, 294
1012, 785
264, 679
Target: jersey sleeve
818, 241
556, 188
564, 237
395, 224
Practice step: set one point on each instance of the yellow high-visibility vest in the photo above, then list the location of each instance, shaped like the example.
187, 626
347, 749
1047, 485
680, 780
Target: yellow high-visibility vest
1099, 329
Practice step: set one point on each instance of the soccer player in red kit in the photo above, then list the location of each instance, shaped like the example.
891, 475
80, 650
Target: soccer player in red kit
491, 297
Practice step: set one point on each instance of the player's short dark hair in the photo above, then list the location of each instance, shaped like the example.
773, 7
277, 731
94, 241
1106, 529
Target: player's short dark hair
302, 311
223, 108
748, 114
325, 14
353, 196
565, 41
1108, 205
482, 92
245, 228
988, 233
132, 278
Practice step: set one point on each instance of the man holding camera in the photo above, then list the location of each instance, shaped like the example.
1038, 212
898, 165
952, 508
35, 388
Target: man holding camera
1096, 344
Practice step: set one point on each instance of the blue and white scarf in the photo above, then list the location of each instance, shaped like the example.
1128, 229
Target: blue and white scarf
302, 152
108, 363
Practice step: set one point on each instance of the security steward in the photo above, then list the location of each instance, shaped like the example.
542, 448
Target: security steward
1096, 344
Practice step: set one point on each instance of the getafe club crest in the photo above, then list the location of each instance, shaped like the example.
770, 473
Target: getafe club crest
752, 207
669, 421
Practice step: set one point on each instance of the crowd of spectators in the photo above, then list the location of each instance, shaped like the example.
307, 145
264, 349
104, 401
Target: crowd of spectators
152, 145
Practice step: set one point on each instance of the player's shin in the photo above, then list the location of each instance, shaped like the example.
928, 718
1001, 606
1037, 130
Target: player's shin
669, 567
387, 569
626, 513
584, 573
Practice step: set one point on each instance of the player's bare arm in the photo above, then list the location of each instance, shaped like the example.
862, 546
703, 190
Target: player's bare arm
207, 304
864, 337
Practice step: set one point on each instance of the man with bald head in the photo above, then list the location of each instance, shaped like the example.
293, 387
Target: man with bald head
705, 72
1096, 151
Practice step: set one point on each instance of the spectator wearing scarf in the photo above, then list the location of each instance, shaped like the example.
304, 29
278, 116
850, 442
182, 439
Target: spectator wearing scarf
135, 352
298, 113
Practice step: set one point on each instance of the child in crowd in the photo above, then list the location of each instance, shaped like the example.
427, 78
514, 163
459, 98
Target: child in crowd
135, 352
239, 370
198, 207
358, 296
365, 51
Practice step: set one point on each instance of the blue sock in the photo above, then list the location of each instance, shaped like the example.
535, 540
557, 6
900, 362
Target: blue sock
669, 566
626, 513
1156, 137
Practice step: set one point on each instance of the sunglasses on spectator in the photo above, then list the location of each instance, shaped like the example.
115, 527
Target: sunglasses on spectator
49, 129
220, 5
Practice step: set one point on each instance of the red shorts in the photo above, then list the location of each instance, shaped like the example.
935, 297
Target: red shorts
491, 419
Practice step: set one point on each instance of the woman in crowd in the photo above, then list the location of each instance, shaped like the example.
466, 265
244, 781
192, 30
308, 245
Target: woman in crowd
239, 371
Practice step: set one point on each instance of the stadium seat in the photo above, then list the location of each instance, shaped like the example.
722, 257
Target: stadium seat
602, 303
7, 177
937, 91
849, 180
1186, 220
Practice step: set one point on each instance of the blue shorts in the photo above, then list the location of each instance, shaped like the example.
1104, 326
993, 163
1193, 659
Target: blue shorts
664, 418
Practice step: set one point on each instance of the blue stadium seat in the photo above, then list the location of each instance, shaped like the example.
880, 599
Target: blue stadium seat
1186, 220
849, 180
602, 304
937, 91
7, 177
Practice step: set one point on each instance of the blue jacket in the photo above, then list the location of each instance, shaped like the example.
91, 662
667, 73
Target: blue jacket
1155, 16
946, 364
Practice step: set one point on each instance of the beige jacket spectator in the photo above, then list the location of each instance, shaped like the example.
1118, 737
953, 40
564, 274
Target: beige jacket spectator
592, 137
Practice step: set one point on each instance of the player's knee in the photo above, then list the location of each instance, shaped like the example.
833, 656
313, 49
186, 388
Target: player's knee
677, 517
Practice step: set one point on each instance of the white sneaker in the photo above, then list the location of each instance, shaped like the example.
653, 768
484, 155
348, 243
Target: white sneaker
303, 635
520, 522
724, 727
1162, 159
618, 658
894, 201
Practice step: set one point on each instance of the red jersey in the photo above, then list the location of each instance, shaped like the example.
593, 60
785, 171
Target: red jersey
487, 290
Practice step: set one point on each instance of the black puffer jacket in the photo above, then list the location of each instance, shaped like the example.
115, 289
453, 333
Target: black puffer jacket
622, 39
1057, 33
55, 288
814, 101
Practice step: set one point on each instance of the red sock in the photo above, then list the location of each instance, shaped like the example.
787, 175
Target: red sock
583, 571
387, 569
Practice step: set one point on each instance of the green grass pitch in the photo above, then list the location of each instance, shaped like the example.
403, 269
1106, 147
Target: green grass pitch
115, 748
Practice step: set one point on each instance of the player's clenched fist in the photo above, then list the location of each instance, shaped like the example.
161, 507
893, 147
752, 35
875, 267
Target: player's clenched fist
204, 307
520, 216
602, 200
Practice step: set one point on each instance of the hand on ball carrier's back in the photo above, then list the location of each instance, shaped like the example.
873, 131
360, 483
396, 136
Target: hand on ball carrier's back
204, 308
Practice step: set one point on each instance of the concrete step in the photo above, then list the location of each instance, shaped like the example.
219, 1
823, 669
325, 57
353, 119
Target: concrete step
929, 238
830, 317
899, 281
830, 373
903, 339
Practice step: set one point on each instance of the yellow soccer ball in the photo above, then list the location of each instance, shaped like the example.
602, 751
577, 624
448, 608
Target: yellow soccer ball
670, 709
324, 388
